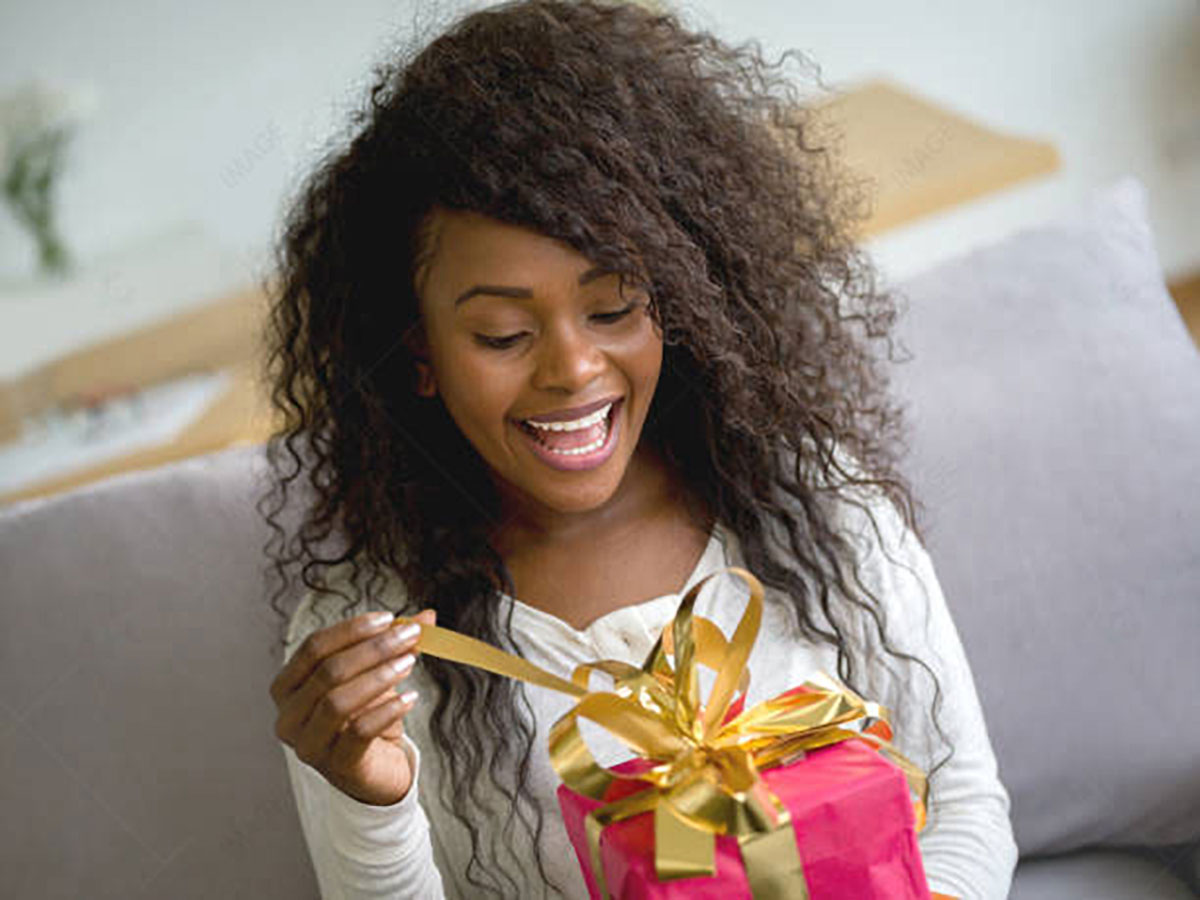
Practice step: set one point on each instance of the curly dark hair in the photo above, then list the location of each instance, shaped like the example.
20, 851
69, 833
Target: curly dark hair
658, 152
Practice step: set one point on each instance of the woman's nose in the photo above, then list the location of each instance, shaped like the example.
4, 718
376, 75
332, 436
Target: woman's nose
567, 359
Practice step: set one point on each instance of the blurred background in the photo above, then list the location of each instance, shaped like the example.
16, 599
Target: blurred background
148, 150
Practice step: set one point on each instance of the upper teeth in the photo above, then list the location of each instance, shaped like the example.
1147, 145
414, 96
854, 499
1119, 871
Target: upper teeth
586, 422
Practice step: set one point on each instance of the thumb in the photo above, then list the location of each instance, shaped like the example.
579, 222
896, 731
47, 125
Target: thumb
425, 617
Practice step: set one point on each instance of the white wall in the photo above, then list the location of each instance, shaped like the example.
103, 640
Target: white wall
209, 112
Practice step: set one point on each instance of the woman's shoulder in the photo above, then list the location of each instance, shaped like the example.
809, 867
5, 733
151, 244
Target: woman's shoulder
883, 551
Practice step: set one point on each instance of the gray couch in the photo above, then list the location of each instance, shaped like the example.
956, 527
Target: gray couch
1056, 402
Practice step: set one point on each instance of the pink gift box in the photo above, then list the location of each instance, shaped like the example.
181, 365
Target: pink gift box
851, 812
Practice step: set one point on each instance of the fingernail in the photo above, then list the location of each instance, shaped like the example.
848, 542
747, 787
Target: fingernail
402, 665
408, 698
406, 632
379, 619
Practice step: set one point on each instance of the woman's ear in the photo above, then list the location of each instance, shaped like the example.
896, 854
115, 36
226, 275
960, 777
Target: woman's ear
426, 383
417, 346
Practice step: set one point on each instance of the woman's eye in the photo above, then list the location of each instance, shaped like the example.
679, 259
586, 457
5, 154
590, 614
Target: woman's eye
499, 343
618, 315
503, 343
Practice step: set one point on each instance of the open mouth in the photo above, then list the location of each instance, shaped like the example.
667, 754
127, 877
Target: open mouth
578, 448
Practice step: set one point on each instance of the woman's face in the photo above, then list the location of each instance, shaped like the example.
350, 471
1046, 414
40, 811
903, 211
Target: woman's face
519, 326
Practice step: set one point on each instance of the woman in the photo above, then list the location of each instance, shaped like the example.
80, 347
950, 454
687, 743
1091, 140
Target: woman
573, 321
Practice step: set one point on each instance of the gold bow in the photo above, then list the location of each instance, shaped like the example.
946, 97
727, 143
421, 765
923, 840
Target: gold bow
704, 780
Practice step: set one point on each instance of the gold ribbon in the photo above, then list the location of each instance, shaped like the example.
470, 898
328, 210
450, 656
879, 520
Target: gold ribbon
704, 780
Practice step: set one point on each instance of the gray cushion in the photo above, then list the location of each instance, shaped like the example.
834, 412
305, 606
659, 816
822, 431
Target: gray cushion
137, 753
1105, 875
1056, 402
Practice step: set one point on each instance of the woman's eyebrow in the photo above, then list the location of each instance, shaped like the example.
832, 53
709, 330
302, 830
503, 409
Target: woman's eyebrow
521, 293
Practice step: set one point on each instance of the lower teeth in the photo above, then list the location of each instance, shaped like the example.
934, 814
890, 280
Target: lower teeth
578, 451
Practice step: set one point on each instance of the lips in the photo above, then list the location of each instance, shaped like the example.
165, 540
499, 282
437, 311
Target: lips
567, 415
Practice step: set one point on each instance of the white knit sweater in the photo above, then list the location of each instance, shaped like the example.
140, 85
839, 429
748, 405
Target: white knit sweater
416, 849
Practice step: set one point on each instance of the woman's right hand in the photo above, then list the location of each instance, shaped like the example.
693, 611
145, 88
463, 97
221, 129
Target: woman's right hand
339, 711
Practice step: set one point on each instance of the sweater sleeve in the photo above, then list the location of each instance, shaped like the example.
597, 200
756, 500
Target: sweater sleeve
360, 851
967, 845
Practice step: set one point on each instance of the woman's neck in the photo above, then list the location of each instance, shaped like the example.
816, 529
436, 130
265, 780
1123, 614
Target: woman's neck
658, 533
650, 488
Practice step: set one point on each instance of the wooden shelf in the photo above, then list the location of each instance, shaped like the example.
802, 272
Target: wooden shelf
920, 157
239, 415
1186, 293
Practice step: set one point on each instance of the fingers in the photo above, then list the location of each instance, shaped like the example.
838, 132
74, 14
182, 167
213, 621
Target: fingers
351, 746
346, 684
385, 719
335, 710
425, 617
318, 646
